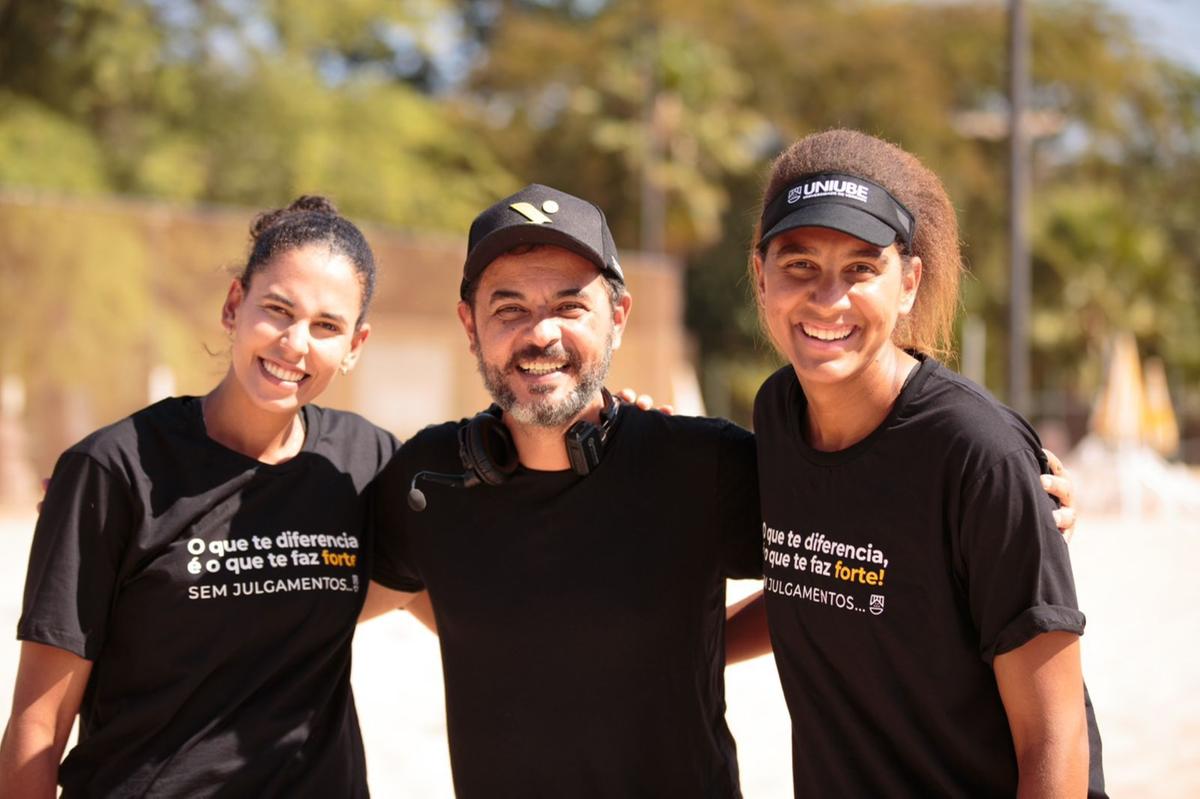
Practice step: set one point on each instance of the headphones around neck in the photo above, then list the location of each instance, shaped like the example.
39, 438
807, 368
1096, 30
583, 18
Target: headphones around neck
489, 456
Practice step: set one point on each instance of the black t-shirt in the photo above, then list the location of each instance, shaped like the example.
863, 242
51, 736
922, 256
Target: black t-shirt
581, 618
895, 571
217, 597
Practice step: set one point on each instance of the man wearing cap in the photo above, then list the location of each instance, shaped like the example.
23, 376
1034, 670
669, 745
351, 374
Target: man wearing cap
575, 550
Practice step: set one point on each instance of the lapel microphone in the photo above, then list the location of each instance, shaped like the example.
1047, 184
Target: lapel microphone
416, 497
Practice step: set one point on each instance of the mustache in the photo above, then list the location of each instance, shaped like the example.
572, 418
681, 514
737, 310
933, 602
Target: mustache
555, 352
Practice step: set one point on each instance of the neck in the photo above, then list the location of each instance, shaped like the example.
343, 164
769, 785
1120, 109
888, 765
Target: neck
235, 423
842, 414
543, 448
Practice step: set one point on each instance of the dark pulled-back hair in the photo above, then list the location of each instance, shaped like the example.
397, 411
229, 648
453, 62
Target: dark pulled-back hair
929, 326
310, 219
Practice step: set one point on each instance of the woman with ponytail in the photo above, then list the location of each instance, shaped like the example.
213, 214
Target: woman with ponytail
919, 597
197, 568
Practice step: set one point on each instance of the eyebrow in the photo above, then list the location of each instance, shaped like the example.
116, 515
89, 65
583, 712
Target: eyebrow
282, 300
509, 294
866, 251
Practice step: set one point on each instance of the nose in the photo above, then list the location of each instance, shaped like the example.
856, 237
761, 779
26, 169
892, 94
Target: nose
295, 339
546, 331
830, 292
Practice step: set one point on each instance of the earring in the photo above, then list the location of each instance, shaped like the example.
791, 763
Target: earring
345, 370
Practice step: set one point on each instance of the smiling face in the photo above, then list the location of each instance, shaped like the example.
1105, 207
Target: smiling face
293, 327
543, 328
831, 302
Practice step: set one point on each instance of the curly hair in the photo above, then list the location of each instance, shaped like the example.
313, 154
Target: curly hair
928, 328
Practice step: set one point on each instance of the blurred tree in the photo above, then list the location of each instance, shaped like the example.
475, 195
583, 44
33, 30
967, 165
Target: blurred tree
39, 147
621, 103
565, 88
1116, 243
246, 102
249, 103
666, 112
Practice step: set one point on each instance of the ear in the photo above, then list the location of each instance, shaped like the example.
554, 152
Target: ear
620, 318
466, 315
910, 281
233, 302
760, 286
356, 345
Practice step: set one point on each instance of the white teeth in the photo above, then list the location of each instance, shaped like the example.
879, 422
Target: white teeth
540, 368
828, 334
283, 374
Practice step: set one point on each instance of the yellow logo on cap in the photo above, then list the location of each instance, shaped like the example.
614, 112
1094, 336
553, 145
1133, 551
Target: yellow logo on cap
531, 213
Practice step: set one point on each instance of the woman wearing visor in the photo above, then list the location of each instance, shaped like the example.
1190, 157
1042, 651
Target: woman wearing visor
919, 597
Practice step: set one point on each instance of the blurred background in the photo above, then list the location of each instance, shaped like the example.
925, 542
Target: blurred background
138, 138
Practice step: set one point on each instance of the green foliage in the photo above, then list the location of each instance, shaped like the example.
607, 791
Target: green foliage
382, 150
419, 113
612, 106
567, 97
42, 149
188, 101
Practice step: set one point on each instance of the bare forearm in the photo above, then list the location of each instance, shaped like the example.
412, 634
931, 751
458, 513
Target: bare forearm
1041, 687
46, 696
29, 758
1054, 768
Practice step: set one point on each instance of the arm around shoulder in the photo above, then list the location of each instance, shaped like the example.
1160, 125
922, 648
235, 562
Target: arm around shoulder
49, 688
1041, 686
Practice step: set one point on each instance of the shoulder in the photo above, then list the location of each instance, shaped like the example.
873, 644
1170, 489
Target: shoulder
156, 426
347, 427
434, 439
433, 448
120, 456
678, 424
966, 418
709, 462
774, 396
686, 432
779, 382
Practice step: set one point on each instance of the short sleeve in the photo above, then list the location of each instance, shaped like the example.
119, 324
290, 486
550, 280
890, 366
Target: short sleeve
391, 564
740, 513
1017, 570
74, 562
388, 446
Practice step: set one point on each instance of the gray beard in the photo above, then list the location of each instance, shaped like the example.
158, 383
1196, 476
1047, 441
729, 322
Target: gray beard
543, 411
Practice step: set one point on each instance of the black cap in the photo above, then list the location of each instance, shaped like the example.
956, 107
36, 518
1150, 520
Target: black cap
842, 202
540, 215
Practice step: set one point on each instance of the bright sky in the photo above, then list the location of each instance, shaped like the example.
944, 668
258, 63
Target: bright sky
1170, 26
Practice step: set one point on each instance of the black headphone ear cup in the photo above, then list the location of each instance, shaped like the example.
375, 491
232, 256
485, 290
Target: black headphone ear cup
487, 448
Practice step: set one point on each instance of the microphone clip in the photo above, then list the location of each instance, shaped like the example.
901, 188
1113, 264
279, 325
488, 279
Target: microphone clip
416, 497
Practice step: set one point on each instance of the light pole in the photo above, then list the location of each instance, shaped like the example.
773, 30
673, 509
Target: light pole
1018, 202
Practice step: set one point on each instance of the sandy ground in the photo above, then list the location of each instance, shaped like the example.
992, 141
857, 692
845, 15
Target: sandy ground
1136, 582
